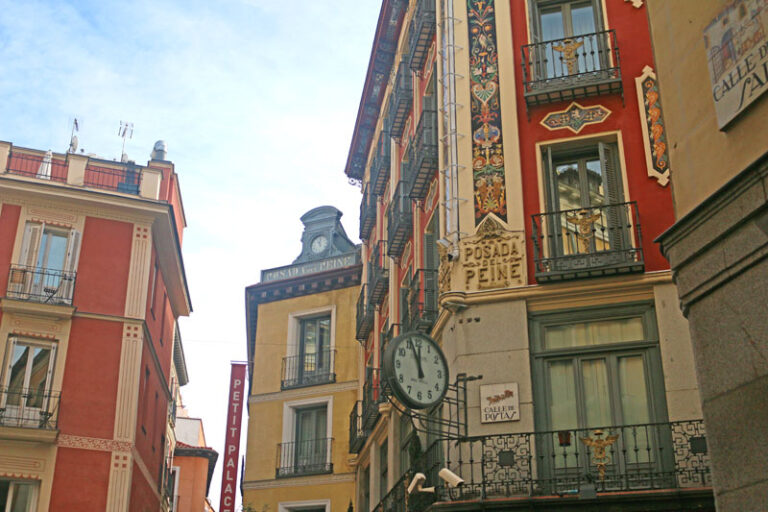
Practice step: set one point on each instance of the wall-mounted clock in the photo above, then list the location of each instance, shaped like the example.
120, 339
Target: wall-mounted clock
319, 244
416, 370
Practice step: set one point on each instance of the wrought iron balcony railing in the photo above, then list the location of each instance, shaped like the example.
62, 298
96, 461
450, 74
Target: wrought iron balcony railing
381, 162
421, 301
570, 68
306, 457
378, 274
421, 34
309, 369
569, 462
372, 397
357, 435
31, 166
400, 221
44, 285
125, 180
401, 99
422, 164
365, 310
29, 408
587, 242
367, 213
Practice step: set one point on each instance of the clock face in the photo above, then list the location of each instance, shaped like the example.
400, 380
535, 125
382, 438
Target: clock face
416, 370
319, 244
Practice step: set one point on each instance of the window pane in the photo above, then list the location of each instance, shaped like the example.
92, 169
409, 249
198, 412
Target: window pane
22, 497
634, 408
38, 379
17, 378
595, 183
596, 399
593, 333
53, 250
552, 24
583, 18
562, 405
568, 192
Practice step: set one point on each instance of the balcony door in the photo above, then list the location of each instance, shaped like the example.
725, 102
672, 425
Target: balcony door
585, 202
601, 388
566, 31
314, 350
27, 382
311, 439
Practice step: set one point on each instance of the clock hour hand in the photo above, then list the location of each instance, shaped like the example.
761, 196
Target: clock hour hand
418, 359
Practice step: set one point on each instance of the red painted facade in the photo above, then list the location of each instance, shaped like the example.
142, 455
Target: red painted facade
101, 385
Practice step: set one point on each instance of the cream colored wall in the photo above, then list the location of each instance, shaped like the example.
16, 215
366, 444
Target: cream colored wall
272, 336
32, 461
268, 500
702, 157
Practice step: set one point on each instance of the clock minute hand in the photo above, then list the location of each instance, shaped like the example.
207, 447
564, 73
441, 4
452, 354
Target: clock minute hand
418, 359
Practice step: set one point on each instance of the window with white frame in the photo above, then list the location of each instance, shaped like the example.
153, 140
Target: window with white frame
305, 506
46, 266
307, 438
310, 355
26, 399
18, 495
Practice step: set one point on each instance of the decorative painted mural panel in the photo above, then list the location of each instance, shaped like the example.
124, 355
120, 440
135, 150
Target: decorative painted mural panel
575, 117
656, 150
487, 147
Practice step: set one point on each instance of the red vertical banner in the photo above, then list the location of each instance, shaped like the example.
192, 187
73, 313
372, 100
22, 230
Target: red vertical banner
232, 438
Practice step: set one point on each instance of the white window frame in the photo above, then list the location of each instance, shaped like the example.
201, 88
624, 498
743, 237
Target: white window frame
33, 498
298, 506
13, 341
289, 418
294, 327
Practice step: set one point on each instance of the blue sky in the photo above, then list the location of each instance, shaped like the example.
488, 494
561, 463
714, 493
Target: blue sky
256, 100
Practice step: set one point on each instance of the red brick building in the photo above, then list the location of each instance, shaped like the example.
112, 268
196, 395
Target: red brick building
92, 282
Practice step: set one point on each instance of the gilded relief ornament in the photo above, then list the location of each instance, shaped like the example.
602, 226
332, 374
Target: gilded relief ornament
599, 457
584, 220
568, 49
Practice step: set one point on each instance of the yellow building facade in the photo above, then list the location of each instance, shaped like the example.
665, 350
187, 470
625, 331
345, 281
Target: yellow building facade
303, 362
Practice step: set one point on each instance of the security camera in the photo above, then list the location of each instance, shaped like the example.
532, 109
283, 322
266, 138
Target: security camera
451, 478
417, 482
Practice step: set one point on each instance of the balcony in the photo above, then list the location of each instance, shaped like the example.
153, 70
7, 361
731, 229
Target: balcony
381, 162
421, 34
422, 301
400, 221
567, 69
29, 408
301, 458
367, 213
357, 435
587, 242
31, 166
401, 100
423, 158
308, 369
372, 397
43, 285
555, 470
365, 310
378, 274
126, 179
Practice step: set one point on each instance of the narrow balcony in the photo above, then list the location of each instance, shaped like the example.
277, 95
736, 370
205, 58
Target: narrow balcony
378, 274
33, 166
587, 242
125, 179
306, 457
381, 162
357, 435
400, 221
365, 310
421, 34
308, 369
401, 99
664, 466
422, 165
43, 285
372, 397
28, 408
422, 301
367, 213
570, 68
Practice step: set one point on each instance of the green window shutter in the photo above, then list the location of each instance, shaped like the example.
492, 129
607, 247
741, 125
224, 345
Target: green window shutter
615, 216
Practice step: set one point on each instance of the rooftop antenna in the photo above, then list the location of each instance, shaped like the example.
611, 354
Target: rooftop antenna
125, 132
73, 138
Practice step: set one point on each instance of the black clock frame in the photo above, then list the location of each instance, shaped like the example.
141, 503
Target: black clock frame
388, 370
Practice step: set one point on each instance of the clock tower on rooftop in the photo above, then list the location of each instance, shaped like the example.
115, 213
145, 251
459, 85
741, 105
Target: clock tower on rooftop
323, 236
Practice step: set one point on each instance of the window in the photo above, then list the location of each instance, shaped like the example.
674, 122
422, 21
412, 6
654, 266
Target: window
310, 359
588, 224
410, 448
26, 399
598, 373
47, 263
18, 496
383, 469
307, 438
568, 35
